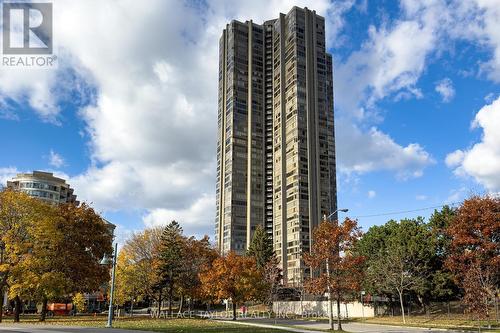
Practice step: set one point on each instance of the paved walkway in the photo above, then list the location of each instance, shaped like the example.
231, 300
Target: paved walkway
312, 326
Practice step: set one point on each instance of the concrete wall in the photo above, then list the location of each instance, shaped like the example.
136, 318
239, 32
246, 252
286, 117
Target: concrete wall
320, 309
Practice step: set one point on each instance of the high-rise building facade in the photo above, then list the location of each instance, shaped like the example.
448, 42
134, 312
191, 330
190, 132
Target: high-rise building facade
276, 146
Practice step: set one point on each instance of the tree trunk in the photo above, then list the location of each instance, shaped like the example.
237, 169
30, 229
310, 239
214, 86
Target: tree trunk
330, 311
402, 306
2, 295
234, 310
339, 322
170, 296
132, 308
496, 309
43, 313
181, 305
17, 309
159, 301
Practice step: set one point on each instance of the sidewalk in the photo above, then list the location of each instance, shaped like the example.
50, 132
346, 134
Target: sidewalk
276, 327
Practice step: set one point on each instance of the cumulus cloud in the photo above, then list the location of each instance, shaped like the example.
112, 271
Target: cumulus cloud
454, 159
445, 89
198, 218
374, 150
7, 174
55, 159
388, 63
482, 161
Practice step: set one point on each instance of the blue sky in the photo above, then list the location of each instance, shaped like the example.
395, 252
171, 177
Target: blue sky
129, 115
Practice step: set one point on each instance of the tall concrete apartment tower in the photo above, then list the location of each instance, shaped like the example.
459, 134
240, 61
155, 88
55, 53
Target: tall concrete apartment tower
276, 143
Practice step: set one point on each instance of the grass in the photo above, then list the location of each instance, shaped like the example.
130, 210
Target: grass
170, 325
459, 322
432, 321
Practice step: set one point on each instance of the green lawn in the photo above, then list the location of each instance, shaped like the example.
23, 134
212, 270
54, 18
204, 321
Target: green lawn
148, 324
432, 321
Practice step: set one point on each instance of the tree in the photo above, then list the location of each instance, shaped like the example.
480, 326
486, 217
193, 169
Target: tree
17, 215
272, 276
67, 243
197, 255
129, 281
142, 250
442, 285
474, 252
170, 260
39, 276
78, 302
232, 277
261, 247
337, 266
398, 258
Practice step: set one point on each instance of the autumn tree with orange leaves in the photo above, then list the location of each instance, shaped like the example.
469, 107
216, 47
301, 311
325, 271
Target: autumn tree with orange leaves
337, 270
232, 277
474, 254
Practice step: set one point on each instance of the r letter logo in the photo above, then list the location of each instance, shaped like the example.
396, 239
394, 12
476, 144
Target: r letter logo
27, 30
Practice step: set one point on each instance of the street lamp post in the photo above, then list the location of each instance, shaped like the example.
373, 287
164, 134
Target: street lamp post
106, 261
330, 303
362, 305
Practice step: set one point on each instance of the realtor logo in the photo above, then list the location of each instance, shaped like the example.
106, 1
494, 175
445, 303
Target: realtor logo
27, 34
27, 28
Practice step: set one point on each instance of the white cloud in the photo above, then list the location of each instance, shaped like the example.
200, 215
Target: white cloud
372, 194
445, 89
421, 197
363, 152
482, 161
55, 159
197, 220
455, 158
390, 61
488, 29
7, 174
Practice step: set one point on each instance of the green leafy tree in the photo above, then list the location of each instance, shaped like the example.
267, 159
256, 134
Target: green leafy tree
398, 258
261, 247
172, 249
442, 285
